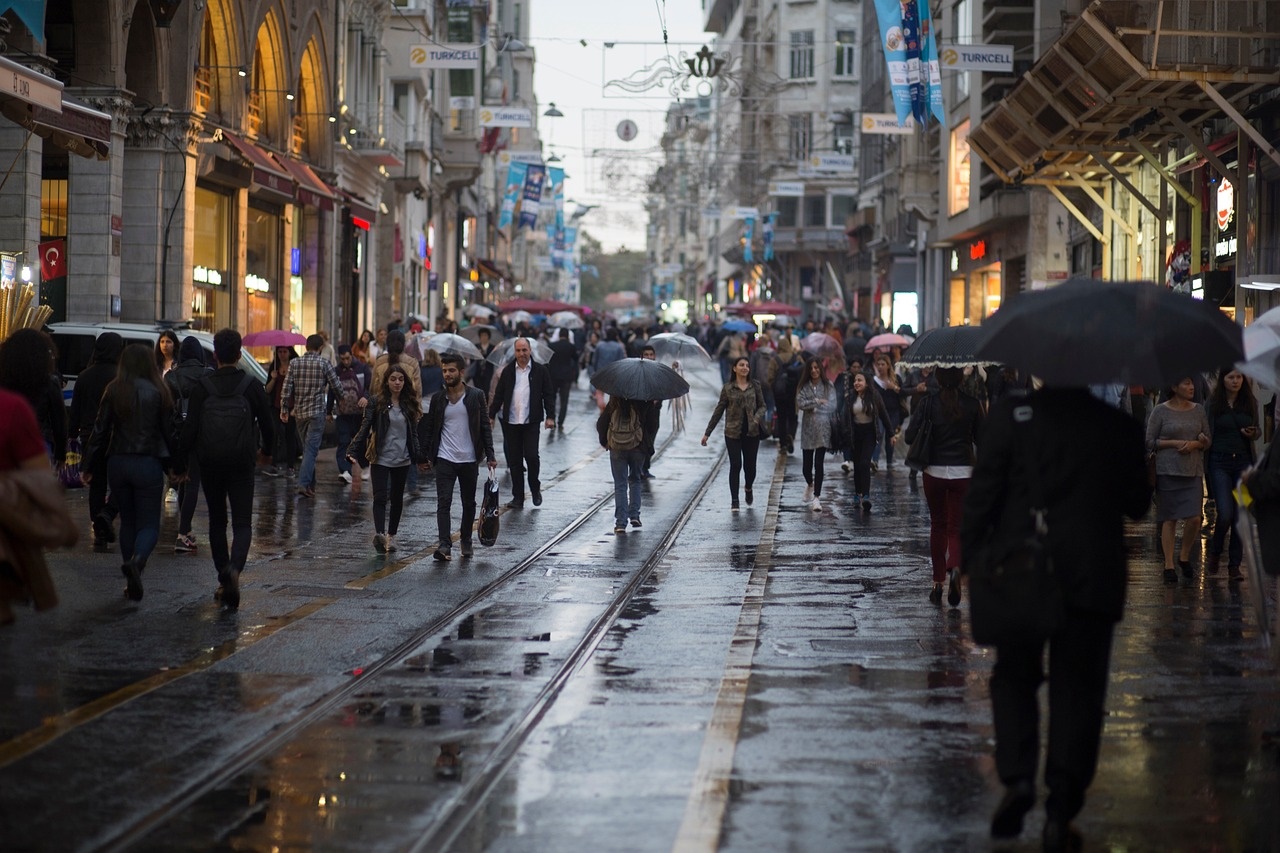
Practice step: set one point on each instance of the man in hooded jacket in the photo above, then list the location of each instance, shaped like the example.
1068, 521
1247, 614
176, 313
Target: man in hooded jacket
90, 385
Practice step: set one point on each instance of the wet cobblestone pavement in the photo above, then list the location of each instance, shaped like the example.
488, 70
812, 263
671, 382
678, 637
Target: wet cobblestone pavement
773, 679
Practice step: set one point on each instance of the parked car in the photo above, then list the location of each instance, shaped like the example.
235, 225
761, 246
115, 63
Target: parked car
75, 341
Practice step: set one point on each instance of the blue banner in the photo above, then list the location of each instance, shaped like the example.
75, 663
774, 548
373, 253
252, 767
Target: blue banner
531, 197
768, 235
30, 12
515, 183
930, 71
889, 16
555, 175
747, 256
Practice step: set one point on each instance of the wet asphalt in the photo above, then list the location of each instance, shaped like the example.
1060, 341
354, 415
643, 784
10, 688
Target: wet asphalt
771, 679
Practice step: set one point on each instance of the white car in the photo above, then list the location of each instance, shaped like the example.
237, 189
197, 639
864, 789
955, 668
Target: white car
75, 342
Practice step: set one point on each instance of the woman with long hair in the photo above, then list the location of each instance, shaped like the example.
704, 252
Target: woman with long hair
866, 410
891, 394
167, 351
1233, 426
286, 446
390, 430
955, 419
360, 349
132, 432
815, 398
27, 368
742, 399
1178, 433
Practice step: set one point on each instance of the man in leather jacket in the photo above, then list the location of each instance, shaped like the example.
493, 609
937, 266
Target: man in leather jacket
455, 432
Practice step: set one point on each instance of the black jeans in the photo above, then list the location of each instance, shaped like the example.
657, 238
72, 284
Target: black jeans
788, 421
386, 480
188, 495
234, 486
287, 447
520, 446
1079, 657
137, 483
562, 393
811, 466
100, 499
742, 457
465, 474
864, 439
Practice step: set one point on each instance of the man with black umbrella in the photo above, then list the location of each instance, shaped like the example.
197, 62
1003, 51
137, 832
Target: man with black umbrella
525, 396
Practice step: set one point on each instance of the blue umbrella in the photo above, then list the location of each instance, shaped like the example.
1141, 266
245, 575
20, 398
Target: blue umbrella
739, 326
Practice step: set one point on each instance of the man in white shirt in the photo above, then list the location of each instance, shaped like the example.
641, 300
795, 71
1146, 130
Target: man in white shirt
525, 396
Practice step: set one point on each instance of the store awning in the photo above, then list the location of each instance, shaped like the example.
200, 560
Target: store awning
490, 270
1126, 77
311, 190
359, 208
267, 171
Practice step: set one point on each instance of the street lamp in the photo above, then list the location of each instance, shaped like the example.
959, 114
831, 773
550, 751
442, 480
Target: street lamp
552, 112
511, 44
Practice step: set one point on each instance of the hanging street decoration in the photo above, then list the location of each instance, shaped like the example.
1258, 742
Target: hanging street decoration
911, 53
700, 73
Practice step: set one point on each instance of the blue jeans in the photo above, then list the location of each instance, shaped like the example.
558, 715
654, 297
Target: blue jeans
310, 431
137, 487
626, 465
1224, 472
345, 429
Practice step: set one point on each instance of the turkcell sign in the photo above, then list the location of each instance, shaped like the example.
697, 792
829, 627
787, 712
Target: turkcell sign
787, 188
745, 212
444, 56
506, 117
831, 162
978, 57
886, 123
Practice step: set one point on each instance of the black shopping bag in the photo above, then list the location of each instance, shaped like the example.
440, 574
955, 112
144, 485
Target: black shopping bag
490, 509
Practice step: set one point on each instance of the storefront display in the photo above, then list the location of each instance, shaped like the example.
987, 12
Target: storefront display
211, 307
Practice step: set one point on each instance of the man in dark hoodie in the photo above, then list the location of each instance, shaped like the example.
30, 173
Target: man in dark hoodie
90, 385
182, 380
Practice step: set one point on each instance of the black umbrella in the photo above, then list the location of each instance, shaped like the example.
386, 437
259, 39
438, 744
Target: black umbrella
1085, 331
640, 379
952, 346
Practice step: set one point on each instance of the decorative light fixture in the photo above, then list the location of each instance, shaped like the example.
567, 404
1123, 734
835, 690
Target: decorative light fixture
552, 112
511, 44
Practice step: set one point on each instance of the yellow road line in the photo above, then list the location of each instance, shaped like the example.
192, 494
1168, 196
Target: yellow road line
55, 727
709, 798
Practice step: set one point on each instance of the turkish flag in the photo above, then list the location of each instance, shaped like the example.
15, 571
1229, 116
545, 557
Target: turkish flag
53, 260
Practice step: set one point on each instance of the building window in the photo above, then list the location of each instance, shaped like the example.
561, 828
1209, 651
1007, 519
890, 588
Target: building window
846, 53
459, 26
800, 135
842, 137
842, 207
959, 170
802, 54
788, 212
815, 211
964, 35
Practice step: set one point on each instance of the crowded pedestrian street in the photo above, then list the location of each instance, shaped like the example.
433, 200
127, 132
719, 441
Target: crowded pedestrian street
772, 678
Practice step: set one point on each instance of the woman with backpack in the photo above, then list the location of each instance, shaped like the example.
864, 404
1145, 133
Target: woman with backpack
388, 439
133, 433
815, 398
620, 428
742, 399
185, 376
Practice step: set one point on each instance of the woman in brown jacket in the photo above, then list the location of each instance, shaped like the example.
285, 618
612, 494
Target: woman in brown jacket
743, 399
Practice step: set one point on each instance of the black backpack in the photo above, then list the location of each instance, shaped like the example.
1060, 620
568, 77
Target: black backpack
226, 427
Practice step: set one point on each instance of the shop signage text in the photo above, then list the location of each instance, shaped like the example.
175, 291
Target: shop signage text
31, 86
206, 276
787, 188
979, 57
831, 162
1225, 247
745, 212
256, 283
977, 250
886, 123
506, 117
434, 56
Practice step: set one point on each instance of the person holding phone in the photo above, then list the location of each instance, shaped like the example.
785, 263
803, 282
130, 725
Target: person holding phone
1233, 426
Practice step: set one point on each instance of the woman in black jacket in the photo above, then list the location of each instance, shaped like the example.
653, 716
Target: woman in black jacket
954, 419
132, 432
863, 410
391, 423
182, 379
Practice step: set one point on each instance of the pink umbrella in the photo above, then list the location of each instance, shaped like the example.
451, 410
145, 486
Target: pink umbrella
274, 338
886, 341
822, 345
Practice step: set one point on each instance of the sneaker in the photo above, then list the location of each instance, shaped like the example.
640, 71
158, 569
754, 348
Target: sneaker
733, 507
536, 494
515, 504
619, 527
808, 494
875, 467
935, 594
230, 588
345, 477
467, 548
816, 505
364, 474
291, 472
635, 522
171, 495
133, 580
748, 495
391, 543
442, 555
305, 492
185, 545
953, 587
271, 471
380, 543
846, 467
103, 529
866, 504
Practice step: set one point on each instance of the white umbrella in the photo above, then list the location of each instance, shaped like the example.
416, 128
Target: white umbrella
415, 345
506, 351
472, 333
519, 317
1262, 349
479, 311
565, 320
677, 346
457, 344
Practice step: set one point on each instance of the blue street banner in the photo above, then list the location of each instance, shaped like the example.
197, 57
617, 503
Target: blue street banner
930, 70
515, 183
570, 239
911, 54
768, 235
555, 175
30, 12
534, 178
750, 229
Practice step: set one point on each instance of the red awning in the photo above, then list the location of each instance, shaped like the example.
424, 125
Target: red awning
267, 171
79, 128
311, 190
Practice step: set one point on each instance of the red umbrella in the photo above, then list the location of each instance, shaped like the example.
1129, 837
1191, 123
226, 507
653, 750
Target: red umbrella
765, 308
274, 338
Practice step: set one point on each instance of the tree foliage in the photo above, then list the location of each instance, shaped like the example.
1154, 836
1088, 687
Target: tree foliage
623, 269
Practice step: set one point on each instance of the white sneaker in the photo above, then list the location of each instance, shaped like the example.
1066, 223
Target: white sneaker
808, 494
816, 506
171, 495
364, 474
345, 477
846, 467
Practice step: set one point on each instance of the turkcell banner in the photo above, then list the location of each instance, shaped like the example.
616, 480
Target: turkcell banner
458, 56
979, 57
911, 55
750, 233
515, 182
531, 196
555, 174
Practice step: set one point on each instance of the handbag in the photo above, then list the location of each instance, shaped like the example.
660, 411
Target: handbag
69, 473
918, 453
490, 510
1015, 597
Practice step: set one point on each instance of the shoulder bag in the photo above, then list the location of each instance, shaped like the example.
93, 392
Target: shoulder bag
918, 453
1015, 597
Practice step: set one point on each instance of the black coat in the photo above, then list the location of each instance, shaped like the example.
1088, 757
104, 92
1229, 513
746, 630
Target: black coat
148, 431
1089, 460
1264, 486
542, 393
86, 396
225, 380
563, 366
951, 439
